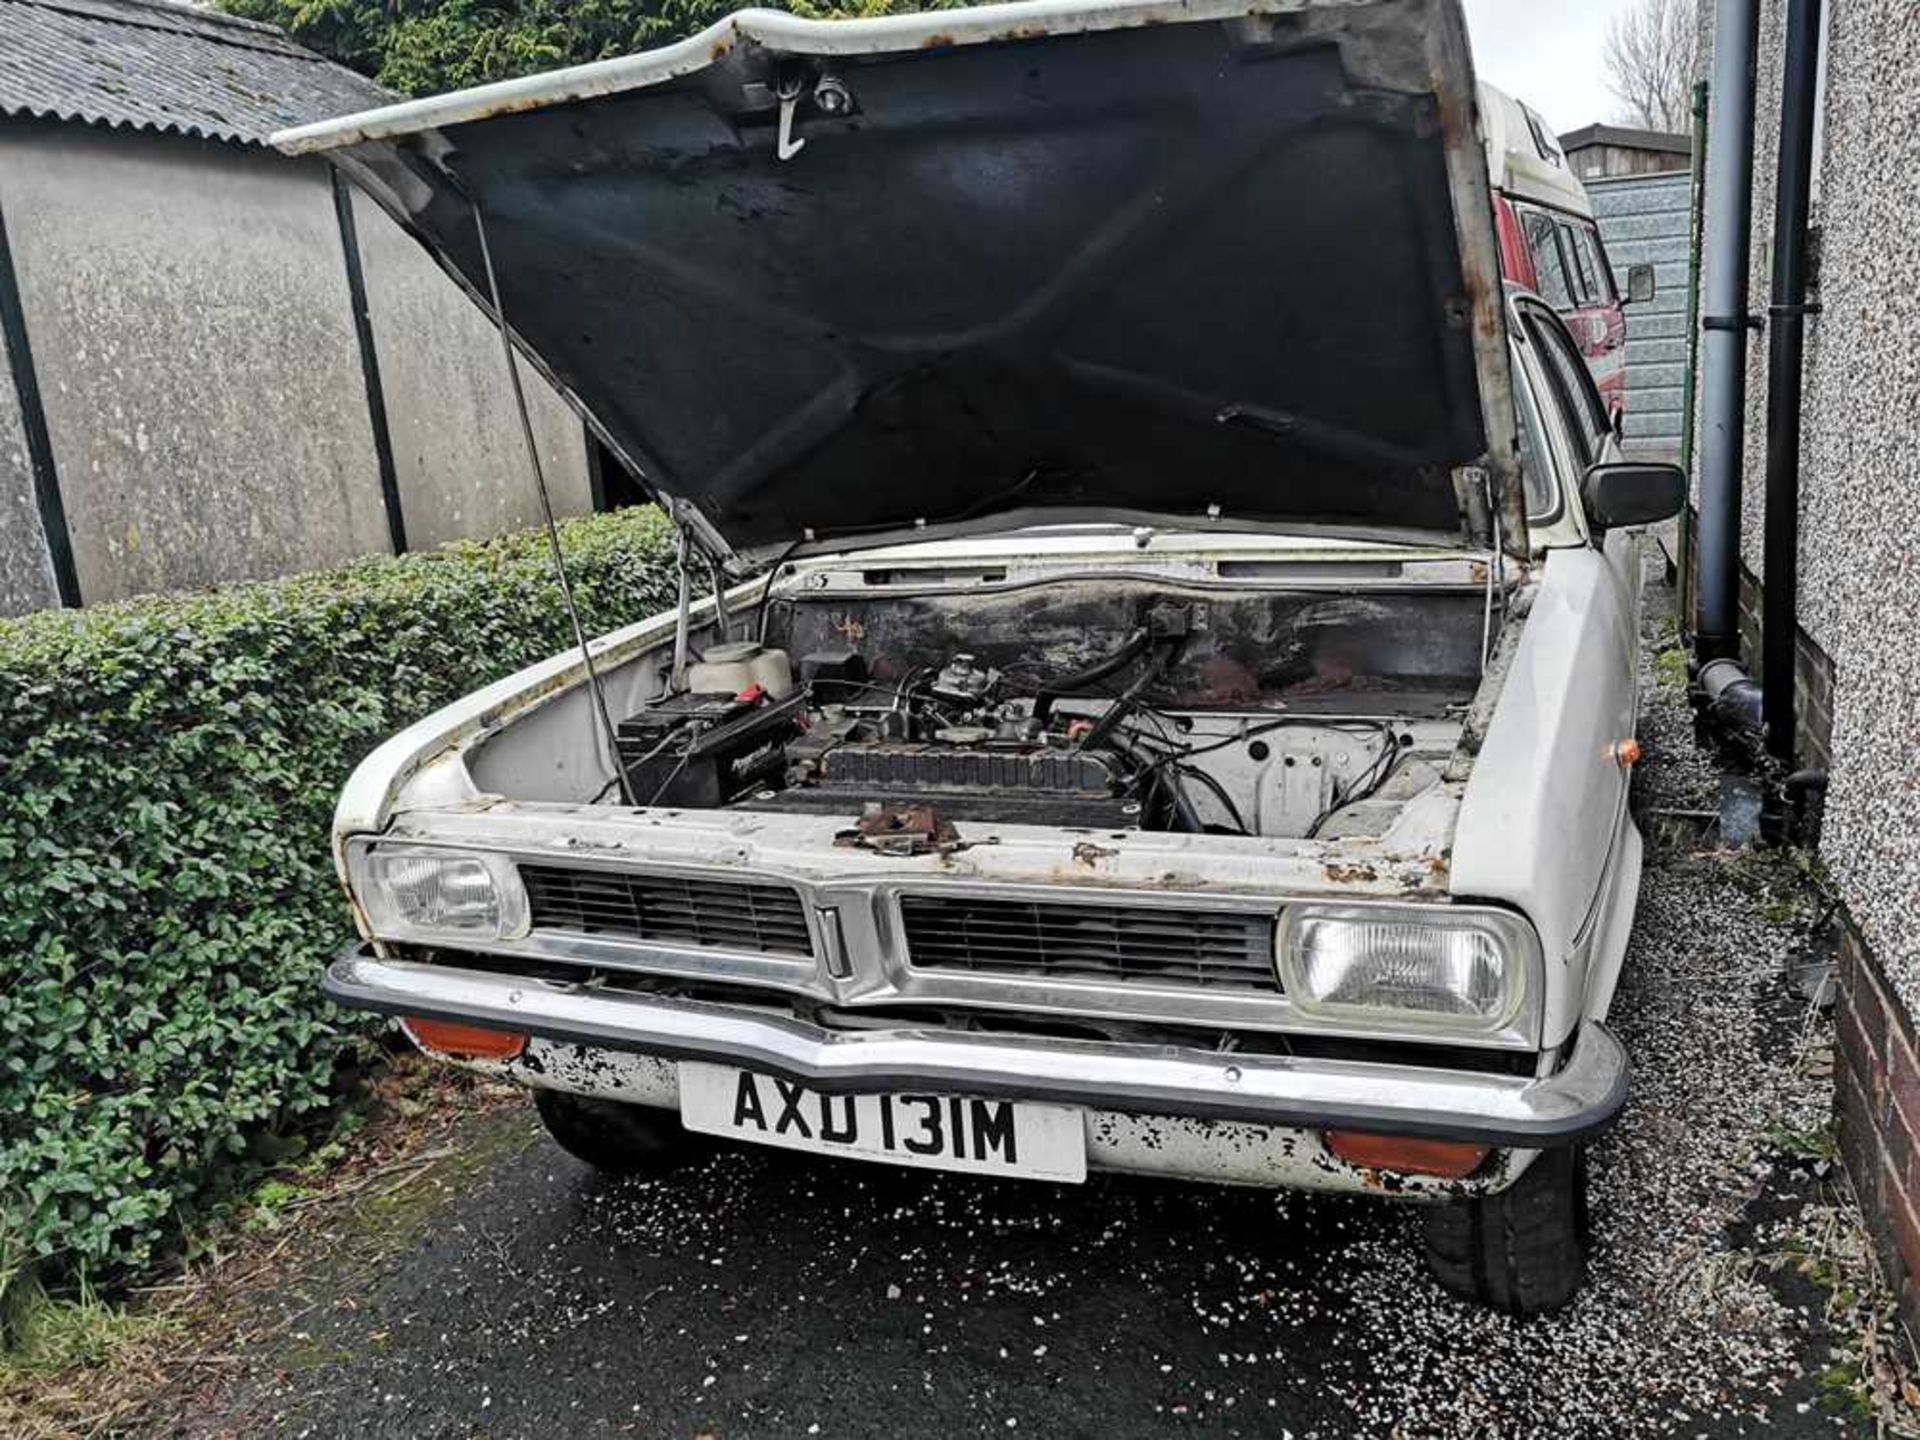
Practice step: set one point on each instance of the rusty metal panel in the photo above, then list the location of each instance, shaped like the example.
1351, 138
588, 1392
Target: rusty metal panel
1222, 1151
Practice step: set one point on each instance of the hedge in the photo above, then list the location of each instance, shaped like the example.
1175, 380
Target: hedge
168, 769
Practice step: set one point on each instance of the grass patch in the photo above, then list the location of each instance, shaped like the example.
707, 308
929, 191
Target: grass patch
73, 1365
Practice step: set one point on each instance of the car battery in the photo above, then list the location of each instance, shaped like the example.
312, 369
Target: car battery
702, 751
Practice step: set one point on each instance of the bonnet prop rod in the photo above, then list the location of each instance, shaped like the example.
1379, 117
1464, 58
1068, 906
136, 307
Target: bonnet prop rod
599, 717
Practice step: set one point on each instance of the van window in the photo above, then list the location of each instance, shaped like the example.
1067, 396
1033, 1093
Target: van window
1543, 140
1579, 269
1549, 265
1586, 242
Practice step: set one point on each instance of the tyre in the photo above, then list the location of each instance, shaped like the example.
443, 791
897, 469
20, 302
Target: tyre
1523, 1250
620, 1139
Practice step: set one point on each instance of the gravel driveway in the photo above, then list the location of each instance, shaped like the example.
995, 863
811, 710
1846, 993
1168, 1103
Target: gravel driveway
753, 1294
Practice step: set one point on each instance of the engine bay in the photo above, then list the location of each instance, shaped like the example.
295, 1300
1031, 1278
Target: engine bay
1108, 707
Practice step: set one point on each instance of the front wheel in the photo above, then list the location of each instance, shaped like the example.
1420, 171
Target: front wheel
620, 1139
1523, 1250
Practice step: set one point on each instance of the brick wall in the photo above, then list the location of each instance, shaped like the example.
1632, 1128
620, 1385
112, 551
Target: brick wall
1813, 684
1877, 1093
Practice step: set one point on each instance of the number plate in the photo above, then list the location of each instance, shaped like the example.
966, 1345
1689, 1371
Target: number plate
943, 1132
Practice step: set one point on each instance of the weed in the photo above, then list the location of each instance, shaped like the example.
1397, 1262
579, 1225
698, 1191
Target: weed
1821, 1144
1841, 1387
270, 1202
1790, 886
1869, 1374
52, 1335
1670, 668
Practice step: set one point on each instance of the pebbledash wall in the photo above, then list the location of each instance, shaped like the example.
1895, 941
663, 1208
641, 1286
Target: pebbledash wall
1859, 593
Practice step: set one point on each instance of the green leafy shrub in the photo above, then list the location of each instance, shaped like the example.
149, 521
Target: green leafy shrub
426, 46
168, 769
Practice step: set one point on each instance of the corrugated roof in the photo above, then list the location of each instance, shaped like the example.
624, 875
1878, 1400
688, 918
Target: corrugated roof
152, 65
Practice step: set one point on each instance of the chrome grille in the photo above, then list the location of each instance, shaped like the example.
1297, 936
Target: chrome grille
668, 909
1214, 949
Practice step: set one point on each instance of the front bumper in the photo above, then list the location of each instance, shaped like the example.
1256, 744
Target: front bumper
1583, 1097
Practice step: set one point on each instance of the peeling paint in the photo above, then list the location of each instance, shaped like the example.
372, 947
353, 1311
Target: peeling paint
1181, 1147
1350, 874
1087, 853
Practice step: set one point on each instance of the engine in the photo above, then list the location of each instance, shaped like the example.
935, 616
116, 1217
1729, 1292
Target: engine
967, 741
839, 741
956, 740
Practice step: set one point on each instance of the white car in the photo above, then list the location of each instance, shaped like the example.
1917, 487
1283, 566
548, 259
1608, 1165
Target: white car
1188, 724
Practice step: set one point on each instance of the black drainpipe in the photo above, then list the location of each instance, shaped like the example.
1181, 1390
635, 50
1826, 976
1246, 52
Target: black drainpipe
1732, 699
1724, 324
1786, 350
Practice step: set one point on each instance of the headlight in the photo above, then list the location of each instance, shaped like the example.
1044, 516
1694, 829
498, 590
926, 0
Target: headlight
418, 894
1427, 965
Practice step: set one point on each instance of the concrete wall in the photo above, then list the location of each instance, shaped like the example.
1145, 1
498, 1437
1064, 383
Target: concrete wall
198, 363
26, 574
1646, 220
187, 305
457, 446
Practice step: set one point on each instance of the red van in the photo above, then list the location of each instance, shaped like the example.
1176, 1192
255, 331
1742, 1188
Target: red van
1549, 242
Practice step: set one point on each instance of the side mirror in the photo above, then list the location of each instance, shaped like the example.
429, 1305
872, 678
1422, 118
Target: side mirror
1641, 283
1632, 492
